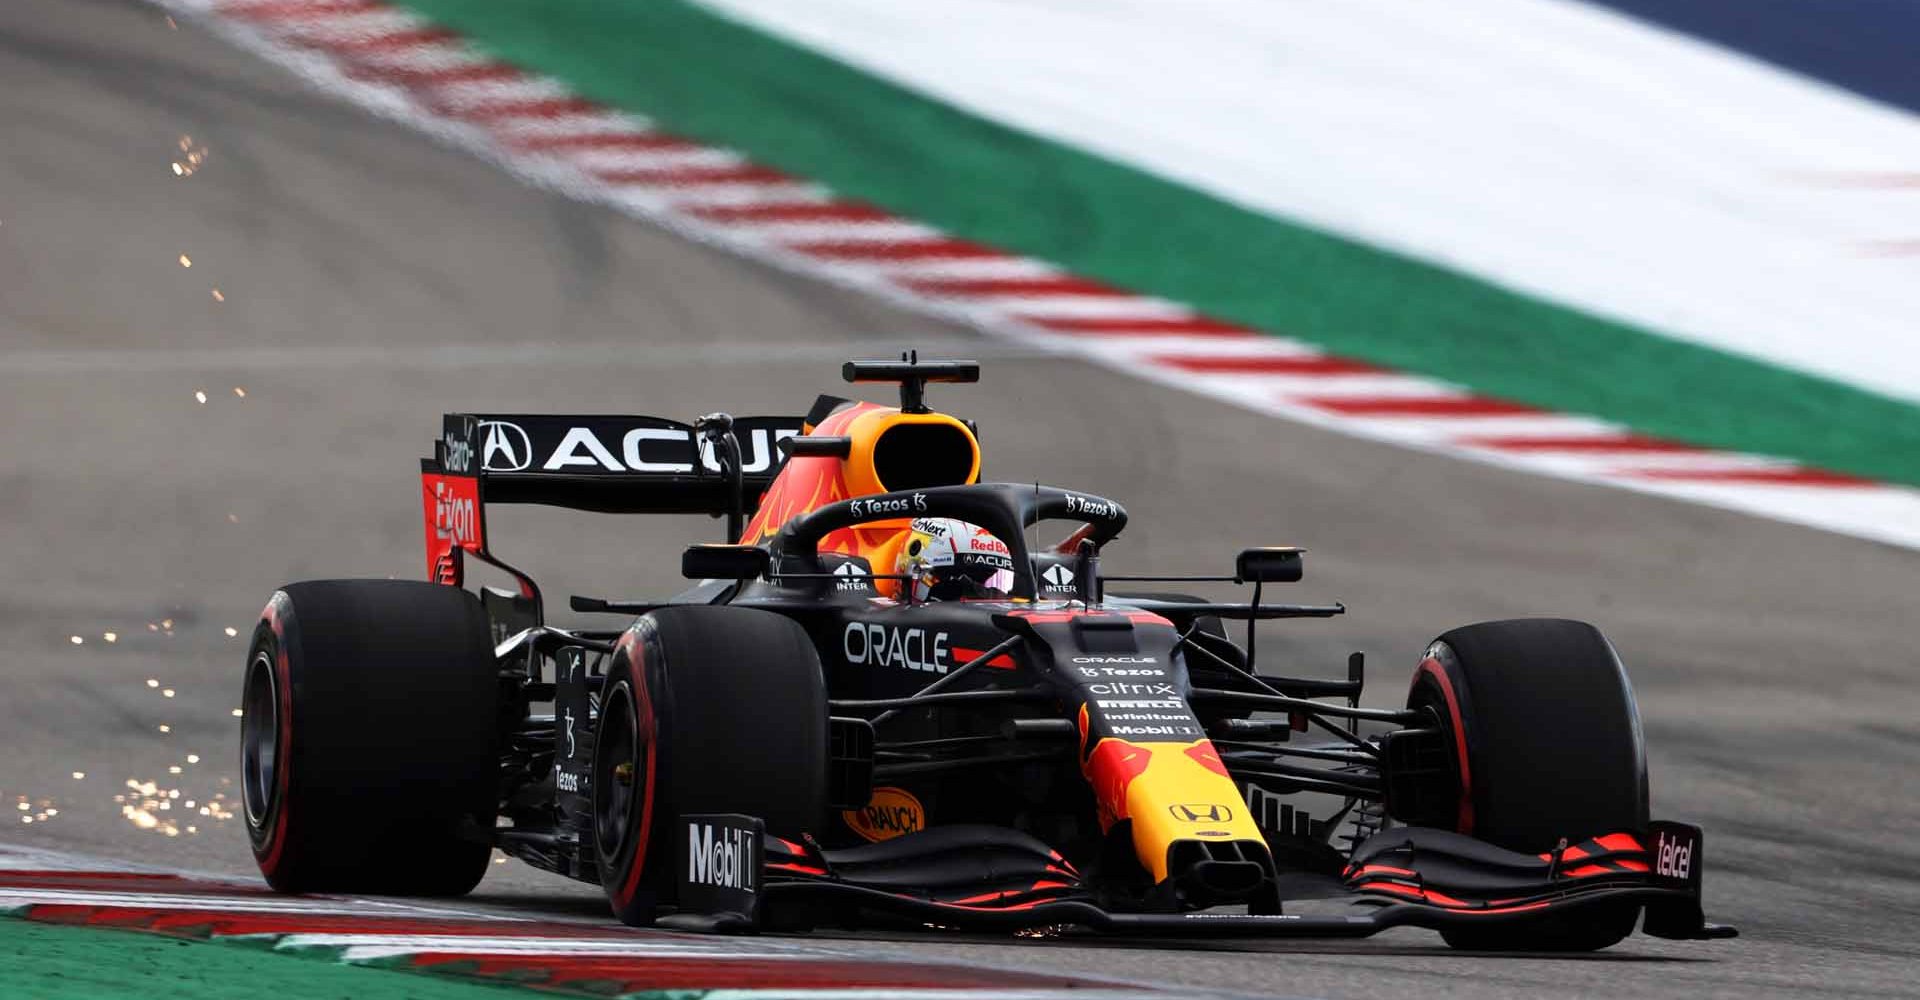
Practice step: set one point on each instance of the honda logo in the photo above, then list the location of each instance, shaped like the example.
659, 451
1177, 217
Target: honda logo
506, 447
1203, 813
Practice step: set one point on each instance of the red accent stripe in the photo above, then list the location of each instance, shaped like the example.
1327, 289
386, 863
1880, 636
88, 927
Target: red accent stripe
1417, 406
1061, 285
1432, 668
1586, 870
1619, 842
744, 173
1796, 476
388, 42
1385, 869
937, 248
1193, 326
544, 107
1001, 662
1256, 365
833, 211
802, 869
1602, 443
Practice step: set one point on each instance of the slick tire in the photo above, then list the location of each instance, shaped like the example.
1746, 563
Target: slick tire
1547, 744
369, 733
705, 710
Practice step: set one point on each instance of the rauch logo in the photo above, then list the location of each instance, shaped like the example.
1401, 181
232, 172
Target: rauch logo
890, 813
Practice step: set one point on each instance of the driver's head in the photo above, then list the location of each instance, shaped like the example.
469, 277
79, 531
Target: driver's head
948, 559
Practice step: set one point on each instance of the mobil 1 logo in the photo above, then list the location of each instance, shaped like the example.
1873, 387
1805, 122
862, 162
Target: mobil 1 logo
720, 865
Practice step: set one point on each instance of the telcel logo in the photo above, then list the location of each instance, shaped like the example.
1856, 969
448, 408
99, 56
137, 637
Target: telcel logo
1673, 857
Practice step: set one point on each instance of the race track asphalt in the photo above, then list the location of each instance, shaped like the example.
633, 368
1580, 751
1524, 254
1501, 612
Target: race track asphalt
373, 279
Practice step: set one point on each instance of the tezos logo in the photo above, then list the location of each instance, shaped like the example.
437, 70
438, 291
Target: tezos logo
506, 447
1077, 504
885, 645
888, 505
1673, 857
724, 860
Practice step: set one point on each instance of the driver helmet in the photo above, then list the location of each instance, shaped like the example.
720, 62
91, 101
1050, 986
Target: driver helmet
947, 559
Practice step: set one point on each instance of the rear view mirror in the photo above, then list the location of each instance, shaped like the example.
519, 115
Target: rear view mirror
714, 561
1270, 564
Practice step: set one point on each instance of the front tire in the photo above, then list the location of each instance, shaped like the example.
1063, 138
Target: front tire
1546, 744
709, 709
368, 738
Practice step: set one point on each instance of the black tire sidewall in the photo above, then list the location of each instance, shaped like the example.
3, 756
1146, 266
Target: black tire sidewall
1552, 738
1547, 737
738, 705
388, 738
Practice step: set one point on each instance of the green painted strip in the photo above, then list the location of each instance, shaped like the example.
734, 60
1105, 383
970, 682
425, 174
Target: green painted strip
712, 79
52, 962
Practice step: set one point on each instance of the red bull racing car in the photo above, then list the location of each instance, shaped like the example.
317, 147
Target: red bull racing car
882, 702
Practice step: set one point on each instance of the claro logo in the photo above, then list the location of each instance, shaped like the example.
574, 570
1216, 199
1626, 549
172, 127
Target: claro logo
890, 813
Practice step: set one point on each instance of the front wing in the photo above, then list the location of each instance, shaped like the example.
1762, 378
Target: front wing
736, 878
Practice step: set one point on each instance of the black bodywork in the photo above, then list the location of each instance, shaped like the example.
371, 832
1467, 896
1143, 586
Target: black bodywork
968, 707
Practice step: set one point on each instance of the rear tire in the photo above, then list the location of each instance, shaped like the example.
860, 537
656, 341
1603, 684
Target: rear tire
368, 738
705, 710
1547, 744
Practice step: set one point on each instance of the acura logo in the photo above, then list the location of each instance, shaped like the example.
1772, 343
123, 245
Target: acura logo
506, 448
1204, 813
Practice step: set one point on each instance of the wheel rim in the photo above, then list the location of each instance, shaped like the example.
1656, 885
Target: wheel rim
260, 739
617, 746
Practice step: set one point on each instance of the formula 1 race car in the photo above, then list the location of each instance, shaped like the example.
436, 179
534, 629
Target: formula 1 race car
882, 704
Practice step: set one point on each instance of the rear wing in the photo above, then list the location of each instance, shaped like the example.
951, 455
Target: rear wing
718, 465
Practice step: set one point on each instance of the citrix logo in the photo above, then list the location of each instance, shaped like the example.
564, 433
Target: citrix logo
1124, 688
